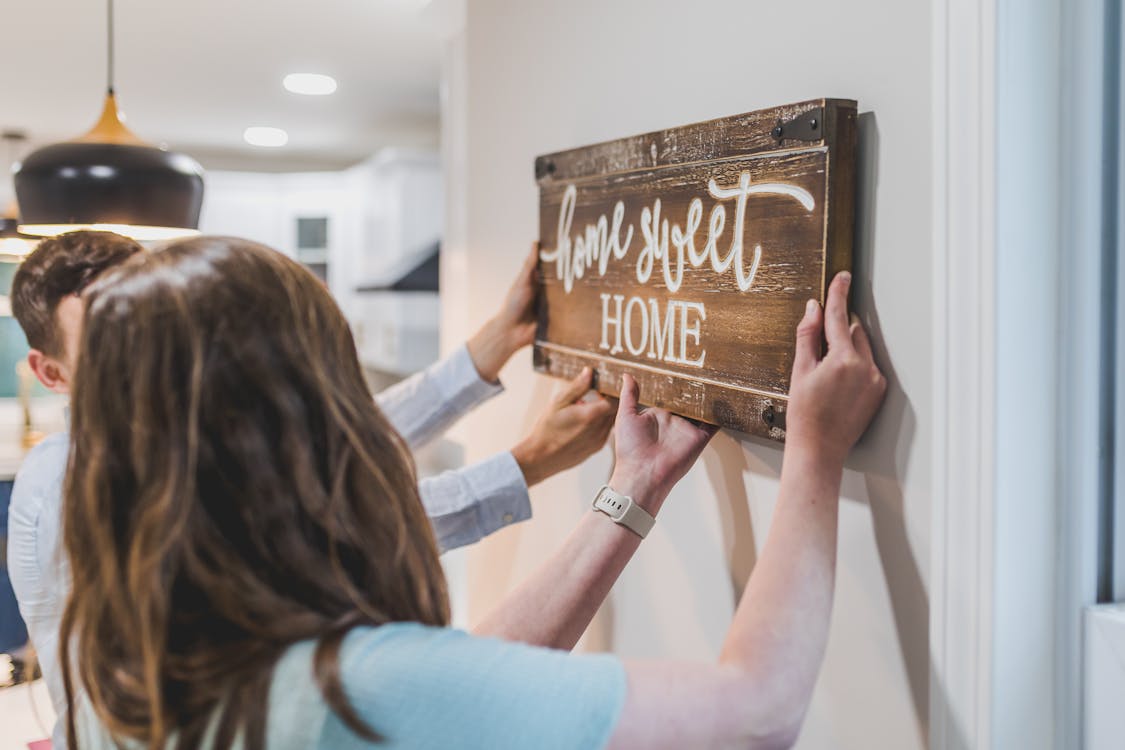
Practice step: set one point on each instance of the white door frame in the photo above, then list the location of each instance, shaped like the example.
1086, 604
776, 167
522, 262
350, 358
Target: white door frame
964, 365
1085, 393
1018, 496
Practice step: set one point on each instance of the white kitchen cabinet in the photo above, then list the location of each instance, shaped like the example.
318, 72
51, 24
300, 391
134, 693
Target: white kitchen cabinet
370, 217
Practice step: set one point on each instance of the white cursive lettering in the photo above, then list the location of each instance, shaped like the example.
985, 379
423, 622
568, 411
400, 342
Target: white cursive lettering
666, 242
598, 242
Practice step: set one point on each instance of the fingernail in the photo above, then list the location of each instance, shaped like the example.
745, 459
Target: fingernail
810, 307
846, 277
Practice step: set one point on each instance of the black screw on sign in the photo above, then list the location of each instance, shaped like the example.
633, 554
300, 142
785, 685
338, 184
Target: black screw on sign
544, 168
804, 127
774, 419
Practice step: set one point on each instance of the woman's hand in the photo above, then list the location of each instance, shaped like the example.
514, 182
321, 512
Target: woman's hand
512, 328
654, 449
832, 399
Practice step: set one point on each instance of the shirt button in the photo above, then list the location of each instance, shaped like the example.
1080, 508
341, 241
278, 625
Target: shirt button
508, 517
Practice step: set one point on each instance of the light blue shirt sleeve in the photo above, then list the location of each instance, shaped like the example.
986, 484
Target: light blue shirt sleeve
427, 688
427, 403
468, 504
38, 569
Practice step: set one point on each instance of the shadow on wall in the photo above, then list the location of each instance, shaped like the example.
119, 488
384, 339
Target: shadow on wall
883, 452
879, 460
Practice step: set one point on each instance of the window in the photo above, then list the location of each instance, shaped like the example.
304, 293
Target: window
312, 244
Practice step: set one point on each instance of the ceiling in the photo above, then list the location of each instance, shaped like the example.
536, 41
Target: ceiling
195, 74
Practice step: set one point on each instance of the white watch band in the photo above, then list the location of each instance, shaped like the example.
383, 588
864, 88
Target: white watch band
624, 511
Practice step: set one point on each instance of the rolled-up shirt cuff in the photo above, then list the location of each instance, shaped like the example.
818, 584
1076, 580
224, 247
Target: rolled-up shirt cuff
500, 484
468, 504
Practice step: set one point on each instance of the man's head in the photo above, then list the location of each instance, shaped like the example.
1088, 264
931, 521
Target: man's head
46, 297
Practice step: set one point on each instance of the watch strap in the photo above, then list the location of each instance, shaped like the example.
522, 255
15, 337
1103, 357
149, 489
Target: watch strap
624, 511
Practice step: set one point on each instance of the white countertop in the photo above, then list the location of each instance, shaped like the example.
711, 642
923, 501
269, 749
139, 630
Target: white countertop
47, 416
26, 715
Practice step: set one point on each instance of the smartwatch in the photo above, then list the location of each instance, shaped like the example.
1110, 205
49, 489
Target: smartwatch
623, 511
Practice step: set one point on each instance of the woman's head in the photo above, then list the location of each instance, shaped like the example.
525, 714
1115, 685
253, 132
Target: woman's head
232, 489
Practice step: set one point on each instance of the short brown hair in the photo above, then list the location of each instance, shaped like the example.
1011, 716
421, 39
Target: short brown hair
59, 267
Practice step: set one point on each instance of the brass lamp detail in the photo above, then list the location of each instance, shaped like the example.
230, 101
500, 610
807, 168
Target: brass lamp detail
109, 179
110, 127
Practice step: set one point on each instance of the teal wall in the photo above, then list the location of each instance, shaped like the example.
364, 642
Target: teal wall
13, 345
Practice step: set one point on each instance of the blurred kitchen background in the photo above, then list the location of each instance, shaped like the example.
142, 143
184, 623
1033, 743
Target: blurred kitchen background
982, 521
318, 127
351, 182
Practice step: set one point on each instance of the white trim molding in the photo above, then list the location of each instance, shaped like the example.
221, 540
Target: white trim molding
1021, 411
1085, 320
1025, 502
964, 365
1118, 553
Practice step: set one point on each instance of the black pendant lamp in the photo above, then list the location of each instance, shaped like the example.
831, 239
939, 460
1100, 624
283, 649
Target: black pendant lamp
109, 179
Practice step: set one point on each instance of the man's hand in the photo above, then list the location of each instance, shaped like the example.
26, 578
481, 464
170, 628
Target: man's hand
654, 449
832, 400
569, 432
512, 328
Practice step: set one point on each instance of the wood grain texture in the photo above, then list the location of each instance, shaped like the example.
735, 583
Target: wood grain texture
743, 333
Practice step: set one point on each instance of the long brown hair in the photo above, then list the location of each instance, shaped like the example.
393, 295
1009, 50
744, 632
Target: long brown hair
232, 490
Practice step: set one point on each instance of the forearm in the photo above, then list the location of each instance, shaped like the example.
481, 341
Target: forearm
757, 696
778, 635
555, 604
424, 405
491, 347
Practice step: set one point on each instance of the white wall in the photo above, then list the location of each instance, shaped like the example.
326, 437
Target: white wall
533, 77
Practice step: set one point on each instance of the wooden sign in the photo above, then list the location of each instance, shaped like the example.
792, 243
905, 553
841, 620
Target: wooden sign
685, 257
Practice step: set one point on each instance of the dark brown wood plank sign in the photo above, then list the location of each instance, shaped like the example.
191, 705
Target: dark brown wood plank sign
685, 257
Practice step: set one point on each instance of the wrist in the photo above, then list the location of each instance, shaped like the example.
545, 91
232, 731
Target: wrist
808, 451
527, 454
640, 486
490, 348
813, 464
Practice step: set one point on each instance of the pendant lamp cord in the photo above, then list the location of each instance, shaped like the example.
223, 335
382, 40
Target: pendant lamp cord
11, 139
109, 39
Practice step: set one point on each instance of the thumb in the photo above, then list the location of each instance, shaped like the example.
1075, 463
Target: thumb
627, 404
576, 388
808, 341
530, 262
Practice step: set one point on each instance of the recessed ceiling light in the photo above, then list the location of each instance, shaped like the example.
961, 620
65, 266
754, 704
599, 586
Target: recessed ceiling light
310, 84
266, 137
